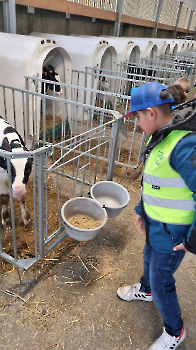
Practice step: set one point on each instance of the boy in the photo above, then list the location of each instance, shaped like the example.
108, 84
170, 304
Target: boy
185, 83
165, 213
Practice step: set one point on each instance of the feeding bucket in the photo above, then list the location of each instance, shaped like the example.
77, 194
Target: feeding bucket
83, 209
112, 196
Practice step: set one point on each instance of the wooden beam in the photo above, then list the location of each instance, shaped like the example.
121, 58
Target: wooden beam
88, 11
137, 21
166, 27
69, 7
181, 30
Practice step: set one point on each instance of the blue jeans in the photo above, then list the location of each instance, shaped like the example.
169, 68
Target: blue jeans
158, 279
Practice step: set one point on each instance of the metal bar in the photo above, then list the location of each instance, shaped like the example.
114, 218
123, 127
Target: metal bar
41, 203
6, 17
24, 121
154, 34
27, 107
12, 209
4, 103
189, 23
35, 204
12, 16
178, 19
118, 22
113, 148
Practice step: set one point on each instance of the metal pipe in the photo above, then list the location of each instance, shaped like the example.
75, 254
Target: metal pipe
154, 34
118, 22
178, 19
189, 23
12, 16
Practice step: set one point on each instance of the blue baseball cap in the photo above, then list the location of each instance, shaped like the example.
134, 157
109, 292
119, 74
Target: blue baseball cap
147, 96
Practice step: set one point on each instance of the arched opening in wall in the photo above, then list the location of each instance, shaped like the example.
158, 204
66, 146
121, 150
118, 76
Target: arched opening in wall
182, 48
175, 49
106, 60
153, 52
56, 67
134, 55
53, 69
167, 50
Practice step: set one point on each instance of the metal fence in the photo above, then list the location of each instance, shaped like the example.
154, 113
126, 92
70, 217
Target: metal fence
60, 171
84, 139
115, 86
103, 103
178, 63
149, 71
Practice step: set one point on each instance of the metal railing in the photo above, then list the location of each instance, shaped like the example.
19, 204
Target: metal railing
151, 69
60, 172
178, 62
82, 119
95, 141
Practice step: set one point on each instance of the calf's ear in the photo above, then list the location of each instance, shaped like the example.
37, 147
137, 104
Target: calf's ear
5, 145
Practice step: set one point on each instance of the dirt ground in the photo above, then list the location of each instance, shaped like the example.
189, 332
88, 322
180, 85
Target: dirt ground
73, 303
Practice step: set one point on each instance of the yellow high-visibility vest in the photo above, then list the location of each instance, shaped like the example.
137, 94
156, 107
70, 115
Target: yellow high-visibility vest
165, 195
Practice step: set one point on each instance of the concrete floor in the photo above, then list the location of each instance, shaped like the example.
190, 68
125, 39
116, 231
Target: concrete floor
73, 304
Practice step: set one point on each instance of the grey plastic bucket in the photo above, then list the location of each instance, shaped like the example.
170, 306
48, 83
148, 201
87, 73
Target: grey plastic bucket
112, 196
83, 206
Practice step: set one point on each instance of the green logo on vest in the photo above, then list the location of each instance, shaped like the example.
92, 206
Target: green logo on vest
159, 157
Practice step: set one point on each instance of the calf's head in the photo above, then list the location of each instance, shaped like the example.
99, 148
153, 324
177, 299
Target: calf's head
20, 168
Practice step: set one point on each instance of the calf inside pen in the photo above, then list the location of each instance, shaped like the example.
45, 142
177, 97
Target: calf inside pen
11, 141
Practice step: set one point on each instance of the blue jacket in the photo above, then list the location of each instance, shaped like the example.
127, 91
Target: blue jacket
161, 236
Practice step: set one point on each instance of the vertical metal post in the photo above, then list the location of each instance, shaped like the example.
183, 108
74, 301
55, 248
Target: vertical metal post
6, 17
154, 34
118, 22
113, 148
189, 24
41, 202
178, 19
27, 108
9, 16
12, 16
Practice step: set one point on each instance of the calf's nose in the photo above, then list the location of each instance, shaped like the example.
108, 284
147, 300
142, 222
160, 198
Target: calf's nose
18, 191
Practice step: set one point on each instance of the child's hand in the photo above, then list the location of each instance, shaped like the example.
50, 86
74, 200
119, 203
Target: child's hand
140, 224
179, 247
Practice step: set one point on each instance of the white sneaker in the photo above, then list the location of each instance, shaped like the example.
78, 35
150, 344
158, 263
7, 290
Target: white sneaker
133, 292
166, 341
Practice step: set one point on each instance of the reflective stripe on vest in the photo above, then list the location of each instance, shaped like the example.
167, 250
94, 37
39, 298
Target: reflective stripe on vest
165, 195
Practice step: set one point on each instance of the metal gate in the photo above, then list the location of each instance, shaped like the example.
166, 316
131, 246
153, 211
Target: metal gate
66, 166
60, 171
103, 103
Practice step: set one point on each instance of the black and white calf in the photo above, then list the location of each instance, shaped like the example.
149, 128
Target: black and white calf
11, 141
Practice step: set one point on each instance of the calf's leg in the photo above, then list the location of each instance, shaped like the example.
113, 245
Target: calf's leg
24, 211
5, 214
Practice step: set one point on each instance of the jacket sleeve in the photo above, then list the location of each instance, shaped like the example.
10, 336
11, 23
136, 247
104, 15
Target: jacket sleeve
183, 160
138, 209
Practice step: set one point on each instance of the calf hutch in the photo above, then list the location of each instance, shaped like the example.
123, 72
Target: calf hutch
86, 52
27, 56
126, 49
